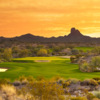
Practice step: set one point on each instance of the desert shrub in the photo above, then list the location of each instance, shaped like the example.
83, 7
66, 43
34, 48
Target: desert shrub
75, 51
57, 78
98, 82
4, 81
89, 82
96, 50
85, 67
78, 98
7, 55
73, 80
40, 78
8, 89
28, 96
97, 78
49, 51
23, 53
30, 79
73, 59
97, 94
90, 96
60, 81
61, 97
24, 82
46, 90
96, 99
22, 78
93, 82
10, 92
17, 83
95, 63
66, 51
65, 84
42, 52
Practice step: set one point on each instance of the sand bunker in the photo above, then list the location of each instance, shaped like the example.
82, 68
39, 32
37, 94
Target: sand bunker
42, 60
64, 56
3, 69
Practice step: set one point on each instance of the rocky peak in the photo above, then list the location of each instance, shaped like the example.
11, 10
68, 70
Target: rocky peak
75, 33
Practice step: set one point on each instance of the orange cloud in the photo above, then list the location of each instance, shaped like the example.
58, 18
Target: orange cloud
49, 17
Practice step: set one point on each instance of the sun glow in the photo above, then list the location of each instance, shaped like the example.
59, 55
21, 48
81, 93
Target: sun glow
49, 17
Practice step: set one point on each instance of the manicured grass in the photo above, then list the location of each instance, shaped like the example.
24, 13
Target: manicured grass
47, 69
84, 48
32, 59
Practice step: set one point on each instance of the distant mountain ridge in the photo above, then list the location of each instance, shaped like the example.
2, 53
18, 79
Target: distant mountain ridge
74, 36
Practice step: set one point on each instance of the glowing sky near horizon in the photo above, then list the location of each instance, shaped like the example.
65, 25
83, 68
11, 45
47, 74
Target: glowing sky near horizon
49, 17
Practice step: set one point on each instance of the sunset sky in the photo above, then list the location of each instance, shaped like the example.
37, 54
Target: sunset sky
49, 17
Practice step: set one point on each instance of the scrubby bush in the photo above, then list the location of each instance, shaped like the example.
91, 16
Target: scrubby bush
42, 52
7, 55
40, 78
93, 82
57, 78
96, 50
10, 92
78, 98
97, 94
90, 96
4, 81
46, 90
22, 78
85, 67
98, 82
65, 84
73, 59
89, 82
97, 78
30, 79
75, 51
61, 97
93, 65
23, 53
17, 83
96, 99
73, 81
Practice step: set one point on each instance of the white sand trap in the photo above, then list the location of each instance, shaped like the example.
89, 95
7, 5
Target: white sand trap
3, 69
42, 60
64, 56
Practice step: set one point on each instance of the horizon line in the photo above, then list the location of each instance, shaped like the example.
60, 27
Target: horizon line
47, 37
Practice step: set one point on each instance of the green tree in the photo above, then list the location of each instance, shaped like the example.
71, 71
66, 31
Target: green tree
42, 52
7, 55
23, 53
